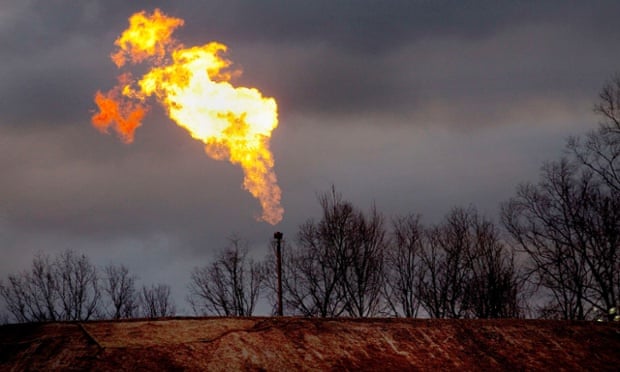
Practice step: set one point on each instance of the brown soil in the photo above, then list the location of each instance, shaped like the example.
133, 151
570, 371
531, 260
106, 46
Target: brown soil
286, 344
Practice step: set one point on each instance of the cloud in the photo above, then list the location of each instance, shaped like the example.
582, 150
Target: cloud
458, 82
324, 58
376, 26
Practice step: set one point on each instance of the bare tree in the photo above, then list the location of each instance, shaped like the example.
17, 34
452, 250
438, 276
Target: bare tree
609, 105
599, 154
465, 270
336, 266
78, 286
444, 264
314, 270
17, 301
569, 222
156, 301
33, 296
63, 289
493, 287
600, 151
228, 286
570, 229
363, 280
119, 285
402, 262
602, 251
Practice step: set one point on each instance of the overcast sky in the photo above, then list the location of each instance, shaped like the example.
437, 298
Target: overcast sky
417, 106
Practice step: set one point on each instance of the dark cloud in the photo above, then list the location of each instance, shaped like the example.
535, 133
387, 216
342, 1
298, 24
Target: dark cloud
374, 25
322, 56
507, 68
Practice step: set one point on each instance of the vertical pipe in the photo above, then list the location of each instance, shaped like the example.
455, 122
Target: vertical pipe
278, 237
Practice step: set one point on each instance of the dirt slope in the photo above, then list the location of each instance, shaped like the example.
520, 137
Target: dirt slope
311, 344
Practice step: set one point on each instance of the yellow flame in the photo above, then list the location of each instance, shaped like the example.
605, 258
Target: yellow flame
147, 36
234, 123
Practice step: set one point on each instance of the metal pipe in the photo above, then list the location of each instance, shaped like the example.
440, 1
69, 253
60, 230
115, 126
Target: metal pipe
278, 236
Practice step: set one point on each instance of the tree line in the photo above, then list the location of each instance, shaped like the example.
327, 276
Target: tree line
555, 253
70, 287
355, 264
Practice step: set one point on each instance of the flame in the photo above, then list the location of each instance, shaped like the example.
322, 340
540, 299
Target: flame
194, 86
147, 36
124, 115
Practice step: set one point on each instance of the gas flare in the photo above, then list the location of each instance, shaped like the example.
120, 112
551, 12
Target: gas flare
194, 86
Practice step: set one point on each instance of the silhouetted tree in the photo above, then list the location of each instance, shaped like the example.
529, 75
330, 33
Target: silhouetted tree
599, 152
32, 296
78, 286
119, 285
315, 268
493, 287
465, 271
364, 277
570, 229
337, 265
569, 222
444, 264
228, 286
63, 289
156, 302
402, 266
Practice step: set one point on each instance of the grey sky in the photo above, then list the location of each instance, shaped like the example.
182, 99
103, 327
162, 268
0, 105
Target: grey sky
417, 106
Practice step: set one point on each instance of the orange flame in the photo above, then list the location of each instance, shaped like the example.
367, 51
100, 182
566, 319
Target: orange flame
194, 87
147, 36
124, 115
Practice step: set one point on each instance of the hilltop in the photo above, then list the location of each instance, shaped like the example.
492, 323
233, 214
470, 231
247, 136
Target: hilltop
310, 344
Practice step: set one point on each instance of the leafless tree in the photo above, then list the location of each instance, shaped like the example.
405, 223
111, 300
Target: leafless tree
364, 277
602, 251
314, 270
493, 287
600, 151
547, 221
156, 302
62, 289
228, 286
337, 265
444, 268
569, 222
569, 225
32, 296
119, 286
465, 270
609, 105
402, 263
78, 286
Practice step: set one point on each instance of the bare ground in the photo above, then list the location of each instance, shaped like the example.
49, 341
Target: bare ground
286, 344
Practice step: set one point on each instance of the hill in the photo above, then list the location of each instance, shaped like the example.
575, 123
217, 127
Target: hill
310, 344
